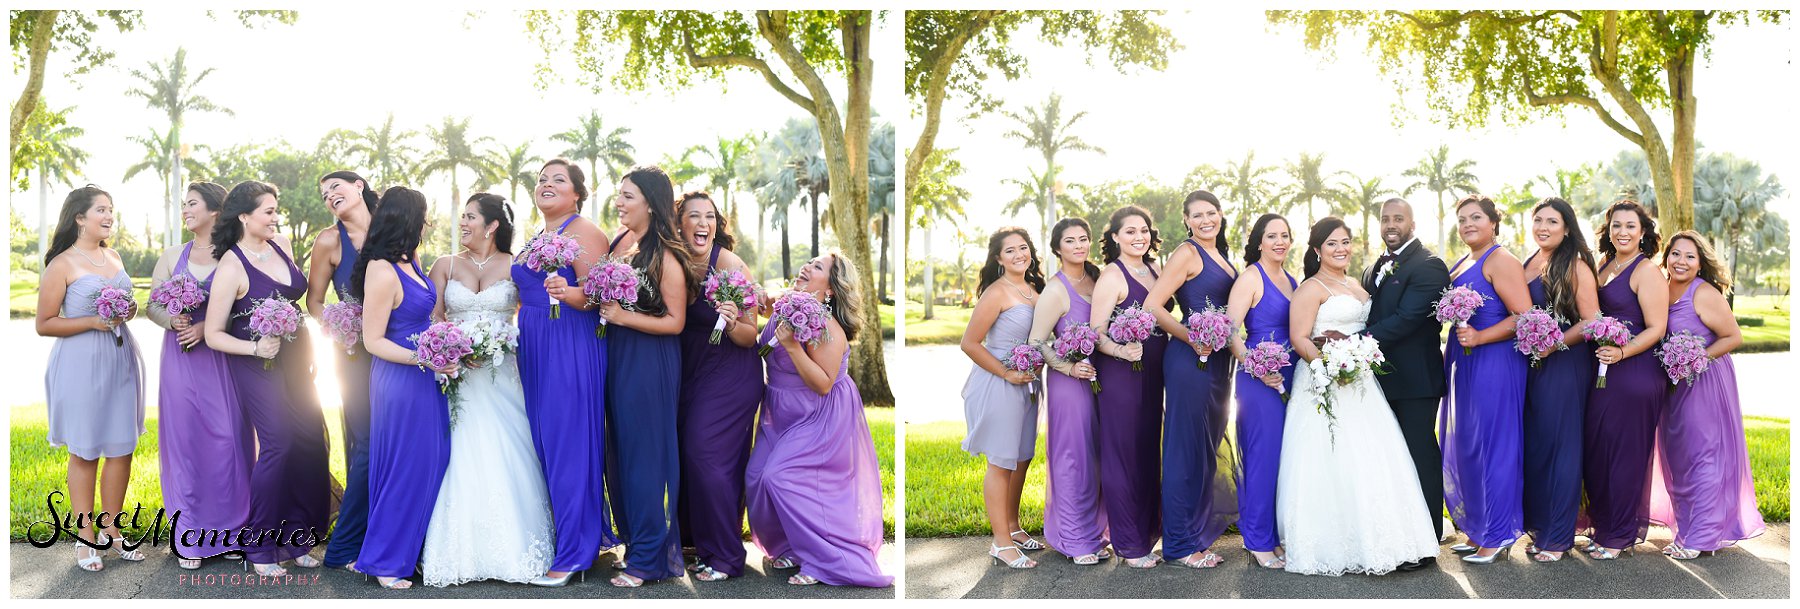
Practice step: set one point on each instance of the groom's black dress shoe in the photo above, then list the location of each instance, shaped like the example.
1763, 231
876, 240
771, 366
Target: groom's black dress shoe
1415, 565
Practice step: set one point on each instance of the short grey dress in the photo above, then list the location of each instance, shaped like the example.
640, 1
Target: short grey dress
95, 388
1002, 417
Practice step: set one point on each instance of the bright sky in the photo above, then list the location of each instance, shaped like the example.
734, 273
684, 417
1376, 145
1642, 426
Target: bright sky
334, 69
1241, 84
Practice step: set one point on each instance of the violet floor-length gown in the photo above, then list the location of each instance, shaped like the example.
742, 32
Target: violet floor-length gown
1074, 516
1556, 393
353, 388
1618, 432
1479, 425
1199, 466
205, 446
1130, 430
721, 386
1261, 416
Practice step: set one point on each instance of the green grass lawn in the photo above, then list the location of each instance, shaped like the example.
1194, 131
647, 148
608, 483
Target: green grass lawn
1773, 334
943, 483
945, 327
38, 469
22, 298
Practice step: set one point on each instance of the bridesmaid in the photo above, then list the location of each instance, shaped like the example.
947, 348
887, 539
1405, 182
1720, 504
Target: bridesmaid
1129, 434
644, 378
1199, 475
1618, 431
205, 445
1561, 280
1074, 519
998, 401
94, 383
1706, 493
812, 431
563, 371
1479, 421
721, 385
1259, 305
334, 255
409, 417
290, 485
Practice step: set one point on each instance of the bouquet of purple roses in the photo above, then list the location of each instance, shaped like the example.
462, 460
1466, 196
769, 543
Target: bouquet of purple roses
273, 316
1075, 343
440, 345
1539, 331
547, 253
1606, 332
728, 287
1266, 358
1456, 306
803, 314
343, 323
113, 304
1684, 357
1025, 357
611, 281
1210, 327
1131, 325
179, 295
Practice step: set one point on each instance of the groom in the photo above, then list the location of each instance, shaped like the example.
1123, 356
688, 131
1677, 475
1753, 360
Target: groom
1404, 284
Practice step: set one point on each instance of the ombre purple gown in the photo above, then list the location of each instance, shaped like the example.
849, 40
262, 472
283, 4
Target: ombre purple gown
1130, 430
563, 370
814, 487
1556, 393
721, 386
290, 485
206, 448
1260, 418
1704, 491
353, 388
1479, 424
409, 441
1074, 516
1199, 466
1618, 432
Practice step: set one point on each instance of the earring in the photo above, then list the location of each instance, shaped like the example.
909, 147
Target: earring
828, 300
490, 234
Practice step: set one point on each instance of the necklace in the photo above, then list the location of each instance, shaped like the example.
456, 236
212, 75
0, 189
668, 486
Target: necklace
1342, 283
84, 256
1139, 271
1019, 290
262, 255
1616, 266
478, 263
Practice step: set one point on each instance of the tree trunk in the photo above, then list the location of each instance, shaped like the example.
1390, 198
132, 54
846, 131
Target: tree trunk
881, 285
1444, 223
43, 29
1679, 214
787, 266
930, 279
813, 201
172, 235
935, 89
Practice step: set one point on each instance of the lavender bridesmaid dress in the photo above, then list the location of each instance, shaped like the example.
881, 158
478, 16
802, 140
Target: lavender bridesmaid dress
1261, 416
290, 486
94, 387
1200, 470
1074, 516
814, 485
1002, 418
1703, 488
1618, 433
409, 441
1130, 430
721, 386
206, 448
1479, 425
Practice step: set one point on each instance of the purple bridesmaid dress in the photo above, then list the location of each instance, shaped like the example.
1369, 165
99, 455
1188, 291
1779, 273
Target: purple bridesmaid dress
814, 487
1261, 415
721, 386
1130, 443
206, 447
1703, 490
1200, 470
1479, 424
1618, 433
353, 387
1556, 394
290, 486
1074, 516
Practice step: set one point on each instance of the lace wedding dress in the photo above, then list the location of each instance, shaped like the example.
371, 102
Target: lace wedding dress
492, 519
1347, 499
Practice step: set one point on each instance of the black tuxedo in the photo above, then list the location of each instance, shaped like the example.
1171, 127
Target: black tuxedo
1400, 319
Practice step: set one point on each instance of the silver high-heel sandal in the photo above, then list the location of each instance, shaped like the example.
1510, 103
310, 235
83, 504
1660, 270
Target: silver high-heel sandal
1477, 558
1464, 547
1028, 544
1146, 561
545, 581
1273, 562
1022, 562
118, 546
1677, 552
91, 562
782, 563
1207, 560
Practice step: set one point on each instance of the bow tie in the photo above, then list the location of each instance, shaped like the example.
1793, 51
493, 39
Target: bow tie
1386, 258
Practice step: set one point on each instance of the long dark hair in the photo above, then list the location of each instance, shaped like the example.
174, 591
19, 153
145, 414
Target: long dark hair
494, 208
394, 233
1109, 248
1559, 275
721, 230
1253, 247
77, 203
370, 199
242, 200
1056, 235
1219, 240
1650, 241
659, 197
991, 271
1711, 270
1320, 232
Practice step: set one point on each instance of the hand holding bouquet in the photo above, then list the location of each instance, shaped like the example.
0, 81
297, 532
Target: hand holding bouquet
1538, 331
1076, 343
728, 287
440, 347
113, 305
804, 316
610, 281
343, 323
1266, 358
1606, 332
1684, 357
1131, 325
548, 253
1025, 358
1342, 362
1210, 327
179, 295
1456, 306
273, 316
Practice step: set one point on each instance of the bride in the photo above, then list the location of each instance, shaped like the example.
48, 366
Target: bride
492, 519
1347, 497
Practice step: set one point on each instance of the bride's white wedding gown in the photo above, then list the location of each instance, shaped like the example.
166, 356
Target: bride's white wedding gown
1347, 501
492, 519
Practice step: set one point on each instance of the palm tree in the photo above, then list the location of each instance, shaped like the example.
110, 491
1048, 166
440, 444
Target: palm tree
1308, 184
1032, 191
728, 156
592, 142
515, 166
1044, 130
1242, 183
1438, 174
798, 148
1732, 198
771, 177
932, 200
1362, 196
159, 153
881, 197
1513, 201
53, 156
384, 149
168, 88
452, 150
